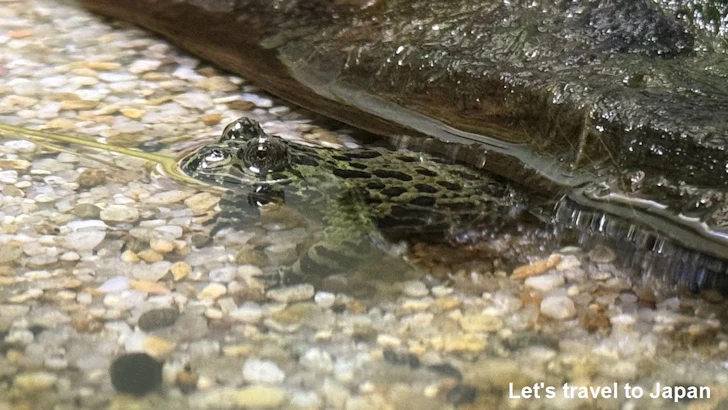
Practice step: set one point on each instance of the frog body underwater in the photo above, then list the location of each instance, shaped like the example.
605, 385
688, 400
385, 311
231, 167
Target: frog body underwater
366, 198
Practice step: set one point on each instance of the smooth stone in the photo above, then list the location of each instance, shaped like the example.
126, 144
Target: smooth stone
558, 307
262, 371
157, 318
34, 382
324, 299
116, 284
415, 289
136, 373
462, 394
545, 283
248, 312
167, 198
212, 291
255, 396
119, 213
290, 294
86, 211
9, 253
151, 272
85, 240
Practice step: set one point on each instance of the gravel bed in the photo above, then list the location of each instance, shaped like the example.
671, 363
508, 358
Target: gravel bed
113, 294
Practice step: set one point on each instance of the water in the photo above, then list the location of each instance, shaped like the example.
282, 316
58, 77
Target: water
91, 240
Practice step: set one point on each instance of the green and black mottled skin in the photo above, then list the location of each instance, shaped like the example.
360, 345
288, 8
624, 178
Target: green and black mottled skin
366, 198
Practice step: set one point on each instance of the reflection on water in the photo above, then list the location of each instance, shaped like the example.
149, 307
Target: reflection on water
101, 255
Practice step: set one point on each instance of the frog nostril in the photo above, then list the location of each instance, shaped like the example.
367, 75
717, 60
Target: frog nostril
261, 154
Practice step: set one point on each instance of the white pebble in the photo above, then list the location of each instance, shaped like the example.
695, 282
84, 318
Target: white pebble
558, 307
262, 371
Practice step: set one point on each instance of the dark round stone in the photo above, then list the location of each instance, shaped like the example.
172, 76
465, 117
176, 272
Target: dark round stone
446, 370
156, 318
136, 373
462, 394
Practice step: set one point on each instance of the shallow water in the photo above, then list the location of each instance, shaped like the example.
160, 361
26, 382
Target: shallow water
91, 241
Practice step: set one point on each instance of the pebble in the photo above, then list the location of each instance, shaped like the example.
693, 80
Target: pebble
462, 394
291, 294
197, 101
255, 396
136, 373
9, 253
324, 299
202, 202
488, 321
317, 360
212, 291
262, 371
150, 256
536, 268
167, 198
119, 213
545, 283
116, 77
602, 254
248, 312
34, 382
558, 307
568, 262
87, 211
116, 284
157, 318
415, 289
180, 270
151, 272
161, 245
85, 240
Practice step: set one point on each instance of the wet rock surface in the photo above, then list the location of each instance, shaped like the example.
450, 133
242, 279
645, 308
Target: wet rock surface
76, 290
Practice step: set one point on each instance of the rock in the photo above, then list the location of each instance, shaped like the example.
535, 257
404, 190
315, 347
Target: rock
198, 101
324, 299
150, 256
161, 245
415, 289
34, 382
317, 360
119, 213
545, 283
117, 284
133, 113
151, 272
602, 254
157, 318
248, 312
211, 119
536, 268
558, 307
202, 202
85, 240
290, 294
262, 371
9, 253
136, 373
462, 394
167, 198
180, 270
488, 321
255, 396
86, 211
212, 291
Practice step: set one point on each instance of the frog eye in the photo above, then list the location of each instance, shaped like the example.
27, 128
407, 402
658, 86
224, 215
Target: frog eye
215, 155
